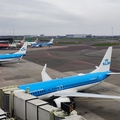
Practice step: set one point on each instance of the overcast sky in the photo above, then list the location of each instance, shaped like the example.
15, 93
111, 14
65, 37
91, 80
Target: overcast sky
59, 17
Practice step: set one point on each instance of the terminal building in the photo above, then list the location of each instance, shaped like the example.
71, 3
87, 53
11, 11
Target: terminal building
8, 39
17, 104
76, 35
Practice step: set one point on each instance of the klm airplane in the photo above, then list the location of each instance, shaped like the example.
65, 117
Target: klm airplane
30, 43
41, 44
14, 56
65, 88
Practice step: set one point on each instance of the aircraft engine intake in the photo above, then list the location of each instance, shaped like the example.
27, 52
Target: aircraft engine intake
57, 102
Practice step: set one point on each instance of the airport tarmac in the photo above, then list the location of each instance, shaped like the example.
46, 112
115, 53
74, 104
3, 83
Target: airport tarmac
64, 61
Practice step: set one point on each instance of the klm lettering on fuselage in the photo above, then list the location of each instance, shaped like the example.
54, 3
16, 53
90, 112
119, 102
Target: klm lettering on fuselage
106, 62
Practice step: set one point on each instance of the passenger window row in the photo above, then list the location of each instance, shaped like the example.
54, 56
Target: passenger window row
66, 86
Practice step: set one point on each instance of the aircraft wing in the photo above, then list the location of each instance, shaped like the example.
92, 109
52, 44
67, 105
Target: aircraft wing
86, 95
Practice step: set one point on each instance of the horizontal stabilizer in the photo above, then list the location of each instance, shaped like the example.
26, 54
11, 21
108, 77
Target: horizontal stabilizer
86, 95
45, 76
80, 74
96, 67
113, 73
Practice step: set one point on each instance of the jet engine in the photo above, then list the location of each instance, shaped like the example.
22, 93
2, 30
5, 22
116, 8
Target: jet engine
65, 103
57, 102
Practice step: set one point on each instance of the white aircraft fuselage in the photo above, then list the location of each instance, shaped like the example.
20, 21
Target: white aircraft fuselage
46, 89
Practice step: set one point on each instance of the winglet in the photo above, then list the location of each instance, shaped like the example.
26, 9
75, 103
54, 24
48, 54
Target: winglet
45, 76
105, 63
23, 49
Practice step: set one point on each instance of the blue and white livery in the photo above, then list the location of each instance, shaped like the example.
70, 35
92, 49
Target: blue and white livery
14, 56
30, 43
41, 44
67, 87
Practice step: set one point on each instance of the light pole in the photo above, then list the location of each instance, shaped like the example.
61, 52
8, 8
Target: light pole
13, 33
4, 32
10, 32
112, 32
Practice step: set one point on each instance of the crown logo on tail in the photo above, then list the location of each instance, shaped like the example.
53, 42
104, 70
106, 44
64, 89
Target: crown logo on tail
106, 62
23, 49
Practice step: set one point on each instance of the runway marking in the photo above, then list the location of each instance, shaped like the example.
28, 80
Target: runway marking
69, 59
83, 62
115, 69
48, 53
66, 64
74, 61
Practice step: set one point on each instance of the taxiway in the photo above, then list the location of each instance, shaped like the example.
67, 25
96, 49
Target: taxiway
64, 61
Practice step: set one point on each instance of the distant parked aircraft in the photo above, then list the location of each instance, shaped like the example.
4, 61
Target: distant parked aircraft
67, 87
40, 44
14, 56
35, 42
4, 44
19, 41
16, 43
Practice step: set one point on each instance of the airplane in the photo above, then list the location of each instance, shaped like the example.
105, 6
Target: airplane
30, 43
14, 56
69, 87
4, 44
40, 44
17, 43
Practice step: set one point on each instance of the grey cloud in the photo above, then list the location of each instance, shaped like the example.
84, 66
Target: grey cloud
41, 16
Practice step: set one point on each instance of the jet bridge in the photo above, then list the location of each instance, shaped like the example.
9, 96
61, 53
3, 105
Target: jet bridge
18, 104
